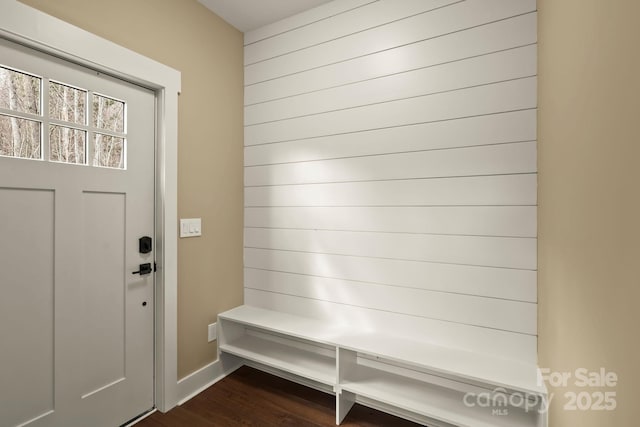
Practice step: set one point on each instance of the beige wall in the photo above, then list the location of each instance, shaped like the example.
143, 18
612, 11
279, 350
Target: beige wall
589, 197
186, 36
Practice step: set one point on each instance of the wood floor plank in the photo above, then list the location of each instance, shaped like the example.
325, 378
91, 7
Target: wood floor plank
250, 397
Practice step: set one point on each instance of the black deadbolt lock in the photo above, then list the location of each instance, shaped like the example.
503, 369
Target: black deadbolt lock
145, 245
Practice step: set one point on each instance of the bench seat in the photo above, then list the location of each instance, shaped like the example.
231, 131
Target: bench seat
417, 380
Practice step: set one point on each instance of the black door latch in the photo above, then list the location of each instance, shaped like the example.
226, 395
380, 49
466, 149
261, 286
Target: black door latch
144, 269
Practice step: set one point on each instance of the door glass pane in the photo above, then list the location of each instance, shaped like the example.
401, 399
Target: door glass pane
67, 104
19, 91
109, 151
19, 137
108, 113
67, 145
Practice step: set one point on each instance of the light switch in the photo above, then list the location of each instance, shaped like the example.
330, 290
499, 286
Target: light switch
190, 227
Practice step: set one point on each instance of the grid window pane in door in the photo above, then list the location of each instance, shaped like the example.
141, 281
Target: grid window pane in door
67, 104
67, 145
109, 151
107, 113
20, 99
76, 117
19, 91
19, 137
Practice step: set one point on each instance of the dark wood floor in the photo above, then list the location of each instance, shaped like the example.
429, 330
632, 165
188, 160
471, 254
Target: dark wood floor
249, 397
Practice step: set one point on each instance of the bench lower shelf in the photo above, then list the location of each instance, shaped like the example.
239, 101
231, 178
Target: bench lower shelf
287, 358
436, 402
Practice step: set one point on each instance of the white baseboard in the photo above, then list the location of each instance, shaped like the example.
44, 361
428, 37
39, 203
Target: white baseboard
205, 377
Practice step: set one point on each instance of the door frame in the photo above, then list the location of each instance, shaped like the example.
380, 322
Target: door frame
25, 25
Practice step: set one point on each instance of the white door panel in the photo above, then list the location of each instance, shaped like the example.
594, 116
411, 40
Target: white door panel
76, 325
26, 324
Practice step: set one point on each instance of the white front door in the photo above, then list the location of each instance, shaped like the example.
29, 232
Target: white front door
76, 195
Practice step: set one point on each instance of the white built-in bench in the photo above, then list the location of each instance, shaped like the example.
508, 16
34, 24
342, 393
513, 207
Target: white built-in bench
430, 384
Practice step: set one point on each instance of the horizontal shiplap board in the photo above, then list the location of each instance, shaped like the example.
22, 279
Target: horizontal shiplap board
456, 17
486, 39
493, 98
344, 24
477, 191
507, 252
514, 221
308, 17
473, 131
494, 313
510, 284
504, 344
492, 68
485, 160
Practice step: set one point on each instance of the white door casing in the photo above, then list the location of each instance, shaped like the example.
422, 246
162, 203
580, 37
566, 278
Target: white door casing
77, 325
30, 27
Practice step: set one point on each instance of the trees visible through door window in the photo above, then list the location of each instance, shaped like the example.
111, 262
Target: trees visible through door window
67, 145
69, 106
109, 151
108, 115
77, 126
19, 102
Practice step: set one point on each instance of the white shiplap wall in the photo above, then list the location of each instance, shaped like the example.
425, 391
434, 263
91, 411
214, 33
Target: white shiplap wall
390, 169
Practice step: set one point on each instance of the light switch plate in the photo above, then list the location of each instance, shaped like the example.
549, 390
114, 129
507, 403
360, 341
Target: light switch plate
190, 227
